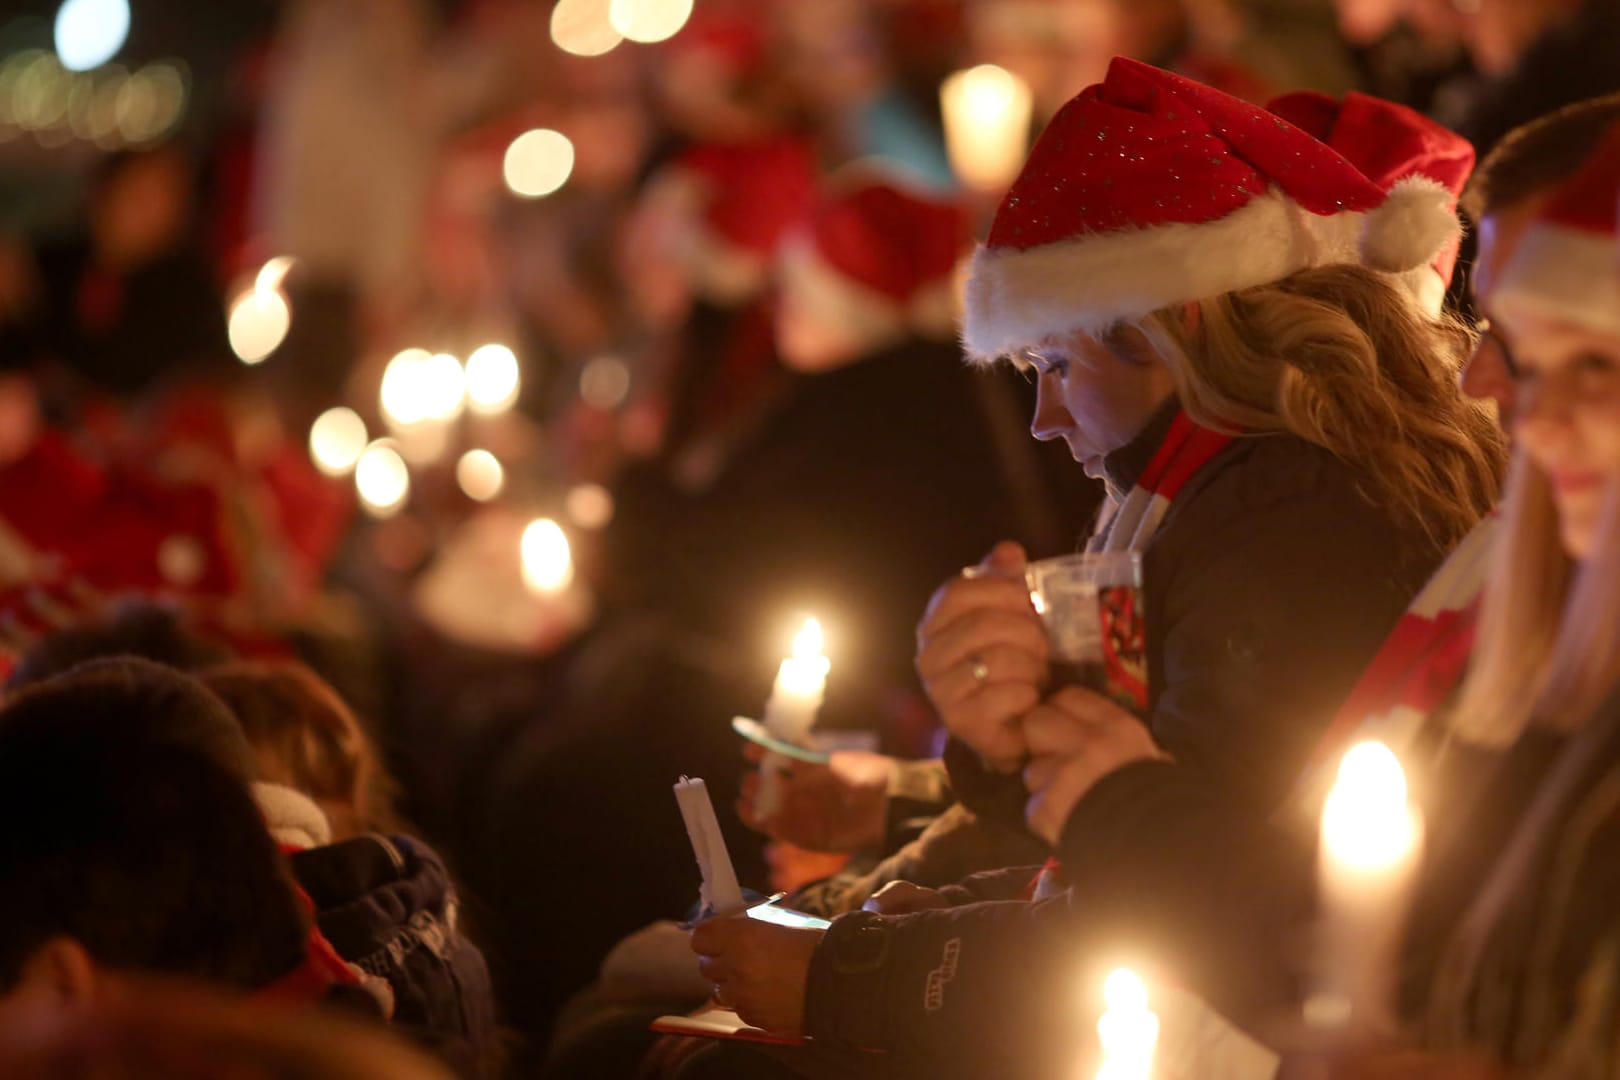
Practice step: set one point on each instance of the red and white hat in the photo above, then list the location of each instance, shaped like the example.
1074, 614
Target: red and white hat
1149, 190
1566, 266
878, 257
1388, 143
733, 204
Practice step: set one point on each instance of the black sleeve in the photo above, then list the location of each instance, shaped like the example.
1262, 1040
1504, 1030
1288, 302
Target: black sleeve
981, 990
1151, 854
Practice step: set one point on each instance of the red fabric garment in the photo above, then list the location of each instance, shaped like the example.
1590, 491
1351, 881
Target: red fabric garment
322, 967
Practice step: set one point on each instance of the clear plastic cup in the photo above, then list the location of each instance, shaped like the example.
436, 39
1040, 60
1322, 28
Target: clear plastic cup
1091, 606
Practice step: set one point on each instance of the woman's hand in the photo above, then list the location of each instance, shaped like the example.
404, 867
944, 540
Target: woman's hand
903, 898
1076, 737
758, 969
840, 806
982, 656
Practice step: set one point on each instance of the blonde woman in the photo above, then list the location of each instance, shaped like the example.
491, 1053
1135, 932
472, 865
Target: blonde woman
1222, 315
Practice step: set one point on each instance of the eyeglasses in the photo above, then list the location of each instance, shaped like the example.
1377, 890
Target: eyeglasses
1491, 338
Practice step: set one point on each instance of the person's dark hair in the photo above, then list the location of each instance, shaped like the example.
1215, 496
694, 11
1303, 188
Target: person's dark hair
1535, 156
130, 833
135, 628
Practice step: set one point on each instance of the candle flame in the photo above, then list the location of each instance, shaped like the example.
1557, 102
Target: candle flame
548, 564
1366, 821
1125, 991
807, 644
1128, 1029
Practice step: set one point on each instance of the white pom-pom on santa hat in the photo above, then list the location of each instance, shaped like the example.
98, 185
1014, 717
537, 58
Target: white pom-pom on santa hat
1415, 223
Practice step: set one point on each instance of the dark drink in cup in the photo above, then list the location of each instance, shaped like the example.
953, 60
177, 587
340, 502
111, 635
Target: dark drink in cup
1091, 606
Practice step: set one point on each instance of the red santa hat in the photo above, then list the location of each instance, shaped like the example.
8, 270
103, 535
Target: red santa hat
878, 256
735, 202
1149, 190
1388, 143
1566, 266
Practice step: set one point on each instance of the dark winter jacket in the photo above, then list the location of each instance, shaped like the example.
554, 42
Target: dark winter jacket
1269, 585
388, 906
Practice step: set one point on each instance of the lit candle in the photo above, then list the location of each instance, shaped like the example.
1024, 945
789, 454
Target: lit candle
800, 684
791, 711
1371, 842
986, 111
721, 894
1127, 1029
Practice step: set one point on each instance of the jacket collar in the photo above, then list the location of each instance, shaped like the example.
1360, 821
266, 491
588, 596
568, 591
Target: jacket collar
1123, 467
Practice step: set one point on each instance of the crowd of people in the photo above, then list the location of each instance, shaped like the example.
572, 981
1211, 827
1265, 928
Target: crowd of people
1312, 311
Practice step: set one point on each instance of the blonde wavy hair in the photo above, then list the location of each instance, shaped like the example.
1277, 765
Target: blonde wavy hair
1344, 359
1548, 644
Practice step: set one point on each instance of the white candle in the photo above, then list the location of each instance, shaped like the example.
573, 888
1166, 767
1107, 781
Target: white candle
721, 894
1371, 842
1127, 1029
986, 111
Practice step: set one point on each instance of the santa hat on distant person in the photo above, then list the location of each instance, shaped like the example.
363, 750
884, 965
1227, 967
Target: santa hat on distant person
1566, 266
1387, 143
734, 202
1149, 190
878, 256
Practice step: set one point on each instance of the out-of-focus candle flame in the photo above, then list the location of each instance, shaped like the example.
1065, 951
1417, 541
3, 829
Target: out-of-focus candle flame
336, 440
382, 479
444, 387
808, 642
493, 379
648, 21
405, 388
1127, 1029
987, 112
1366, 822
480, 475
538, 162
590, 506
583, 27
548, 564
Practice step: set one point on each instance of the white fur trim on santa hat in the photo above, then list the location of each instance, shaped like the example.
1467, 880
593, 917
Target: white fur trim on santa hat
292, 816
1089, 283
811, 287
1565, 274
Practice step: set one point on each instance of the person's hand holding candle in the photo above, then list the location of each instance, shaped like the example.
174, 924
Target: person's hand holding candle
758, 969
1075, 738
839, 806
982, 656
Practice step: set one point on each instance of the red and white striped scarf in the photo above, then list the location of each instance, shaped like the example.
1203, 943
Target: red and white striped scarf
1422, 660
1132, 521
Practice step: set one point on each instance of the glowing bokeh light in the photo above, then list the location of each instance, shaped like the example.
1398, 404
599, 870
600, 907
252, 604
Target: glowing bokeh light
493, 379
336, 440
480, 475
548, 564
89, 33
444, 387
258, 324
538, 163
590, 506
382, 479
604, 382
1128, 1030
1367, 822
404, 387
583, 27
648, 21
